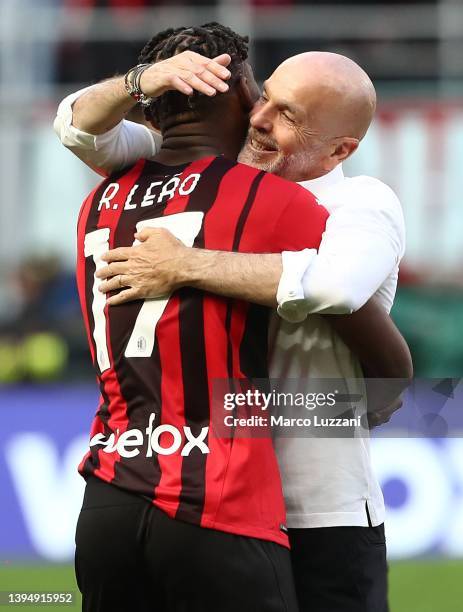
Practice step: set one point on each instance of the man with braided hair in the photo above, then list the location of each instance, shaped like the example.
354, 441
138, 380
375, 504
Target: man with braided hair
182, 64
175, 518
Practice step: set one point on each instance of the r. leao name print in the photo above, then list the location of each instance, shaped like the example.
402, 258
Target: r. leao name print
157, 192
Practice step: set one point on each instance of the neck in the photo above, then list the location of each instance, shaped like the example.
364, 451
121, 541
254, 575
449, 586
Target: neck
184, 143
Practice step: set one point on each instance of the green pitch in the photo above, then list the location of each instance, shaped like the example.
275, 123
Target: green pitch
418, 586
40, 578
426, 586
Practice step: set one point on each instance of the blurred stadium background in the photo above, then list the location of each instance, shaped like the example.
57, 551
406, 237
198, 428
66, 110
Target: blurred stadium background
413, 52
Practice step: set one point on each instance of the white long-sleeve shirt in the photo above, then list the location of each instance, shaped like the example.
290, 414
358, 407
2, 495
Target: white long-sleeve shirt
122, 146
330, 481
327, 482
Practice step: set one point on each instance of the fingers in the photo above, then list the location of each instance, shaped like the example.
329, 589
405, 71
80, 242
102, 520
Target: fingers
158, 233
217, 65
145, 233
203, 74
200, 82
187, 72
122, 297
224, 60
381, 417
216, 82
112, 270
120, 254
112, 284
181, 86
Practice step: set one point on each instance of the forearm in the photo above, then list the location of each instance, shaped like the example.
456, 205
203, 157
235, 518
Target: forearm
383, 353
361, 247
373, 337
250, 277
102, 107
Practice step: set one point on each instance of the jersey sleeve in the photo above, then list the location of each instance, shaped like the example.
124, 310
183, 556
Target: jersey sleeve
114, 150
301, 223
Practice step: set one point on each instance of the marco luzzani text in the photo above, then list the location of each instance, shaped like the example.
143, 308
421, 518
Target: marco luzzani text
265, 403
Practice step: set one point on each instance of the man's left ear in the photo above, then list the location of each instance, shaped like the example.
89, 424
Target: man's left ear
345, 148
247, 88
245, 94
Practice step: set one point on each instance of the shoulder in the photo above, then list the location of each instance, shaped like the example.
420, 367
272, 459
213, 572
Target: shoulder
268, 179
361, 191
286, 192
284, 185
368, 203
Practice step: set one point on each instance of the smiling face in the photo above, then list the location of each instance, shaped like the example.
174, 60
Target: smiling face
301, 127
279, 137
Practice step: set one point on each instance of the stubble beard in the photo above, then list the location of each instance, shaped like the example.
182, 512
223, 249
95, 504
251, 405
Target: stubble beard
252, 158
294, 167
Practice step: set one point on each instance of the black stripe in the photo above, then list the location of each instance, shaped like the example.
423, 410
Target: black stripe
236, 242
193, 351
254, 343
246, 208
93, 462
370, 524
203, 197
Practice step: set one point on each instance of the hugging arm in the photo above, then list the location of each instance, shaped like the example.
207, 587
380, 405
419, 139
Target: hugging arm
92, 124
161, 263
363, 244
383, 354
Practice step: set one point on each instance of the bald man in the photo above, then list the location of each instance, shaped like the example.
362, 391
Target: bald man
326, 103
314, 111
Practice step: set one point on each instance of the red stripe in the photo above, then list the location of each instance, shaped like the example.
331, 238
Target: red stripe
219, 231
238, 323
170, 483
117, 407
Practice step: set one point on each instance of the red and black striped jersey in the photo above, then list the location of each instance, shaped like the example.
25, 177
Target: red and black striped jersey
156, 359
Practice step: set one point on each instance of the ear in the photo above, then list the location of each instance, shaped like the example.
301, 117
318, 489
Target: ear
247, 88
244, 94
345, 148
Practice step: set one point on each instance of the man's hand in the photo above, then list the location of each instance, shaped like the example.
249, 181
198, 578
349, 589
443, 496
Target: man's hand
380, 417
148, 270
186, 72
104, 105
161, 264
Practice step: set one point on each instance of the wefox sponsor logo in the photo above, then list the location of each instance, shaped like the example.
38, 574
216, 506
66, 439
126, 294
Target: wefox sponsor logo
127, 443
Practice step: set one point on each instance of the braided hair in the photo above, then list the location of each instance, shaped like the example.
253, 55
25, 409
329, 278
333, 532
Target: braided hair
211, 39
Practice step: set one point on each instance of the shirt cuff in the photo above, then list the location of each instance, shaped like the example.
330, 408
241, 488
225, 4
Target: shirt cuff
292, 305
71, 136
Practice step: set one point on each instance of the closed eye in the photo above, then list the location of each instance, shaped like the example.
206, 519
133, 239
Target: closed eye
288, 117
